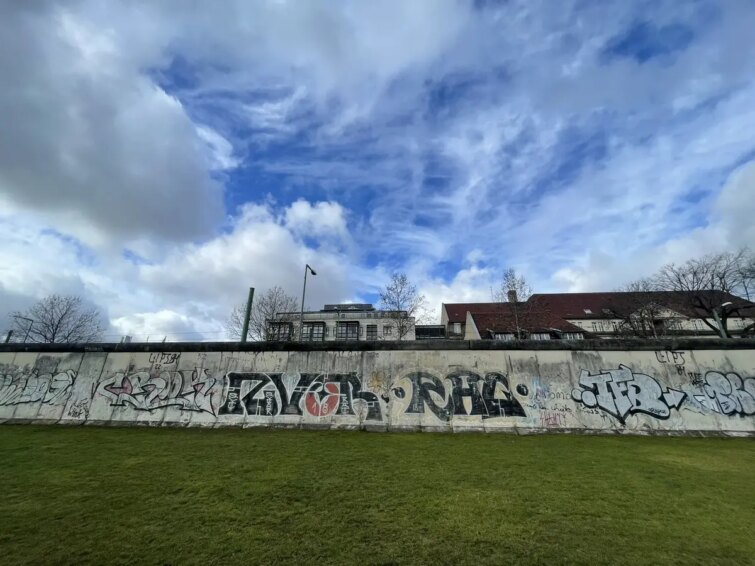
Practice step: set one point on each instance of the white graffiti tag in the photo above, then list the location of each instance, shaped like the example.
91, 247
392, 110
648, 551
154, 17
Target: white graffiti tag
728, 394
620, 393
35, 388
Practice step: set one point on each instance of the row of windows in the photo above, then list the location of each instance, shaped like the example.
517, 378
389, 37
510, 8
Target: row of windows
317, 331
668, 324
509, 337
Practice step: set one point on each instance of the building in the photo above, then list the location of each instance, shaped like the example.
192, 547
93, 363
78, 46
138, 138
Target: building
344, 322
574, 316
430, 332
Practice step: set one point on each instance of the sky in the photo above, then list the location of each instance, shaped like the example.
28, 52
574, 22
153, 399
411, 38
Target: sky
159, 158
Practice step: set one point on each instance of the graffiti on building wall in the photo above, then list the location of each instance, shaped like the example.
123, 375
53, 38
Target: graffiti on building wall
33, 387
469, 394
620, 393
728, 393
189, 390
313, 394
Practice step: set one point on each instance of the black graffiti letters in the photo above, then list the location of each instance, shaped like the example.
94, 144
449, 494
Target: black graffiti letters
470, 394
273, 394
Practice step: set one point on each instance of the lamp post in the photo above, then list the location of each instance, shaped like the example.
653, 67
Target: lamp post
718, 318
303, 294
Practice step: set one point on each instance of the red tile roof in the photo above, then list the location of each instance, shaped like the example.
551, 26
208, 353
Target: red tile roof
522, 319
608, 305
457, 312
547, 311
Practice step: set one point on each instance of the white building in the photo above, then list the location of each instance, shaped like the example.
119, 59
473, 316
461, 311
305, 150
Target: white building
345, 322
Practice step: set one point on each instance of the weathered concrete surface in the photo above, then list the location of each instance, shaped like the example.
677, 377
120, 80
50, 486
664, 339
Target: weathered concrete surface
690, 387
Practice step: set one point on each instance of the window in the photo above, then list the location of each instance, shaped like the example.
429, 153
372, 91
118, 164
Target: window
279, 331
616, 325
387, 331
313, 332
347, 331
572, 336
506, 337
372, 332
598, 326
540, 336
587, 311
456, 328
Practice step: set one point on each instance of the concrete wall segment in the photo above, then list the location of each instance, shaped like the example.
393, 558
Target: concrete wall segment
660, 390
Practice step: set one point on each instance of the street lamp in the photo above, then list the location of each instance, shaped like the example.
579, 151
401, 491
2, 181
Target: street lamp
718, 319
303, 293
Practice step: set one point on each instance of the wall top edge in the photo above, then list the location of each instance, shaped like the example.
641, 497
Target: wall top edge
421, 345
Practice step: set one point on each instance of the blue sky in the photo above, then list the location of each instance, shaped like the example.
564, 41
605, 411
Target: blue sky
159, 158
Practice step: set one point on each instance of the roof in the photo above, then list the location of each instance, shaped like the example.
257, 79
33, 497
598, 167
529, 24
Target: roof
349, 307
611, 304
548, 311
457, 312
604, 305
522, 318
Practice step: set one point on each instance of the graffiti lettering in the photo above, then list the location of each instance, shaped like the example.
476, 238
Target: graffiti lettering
162, 358
272, 394
470, 394
674, 357
551, 419
620, 393
729, 394
52, 389
187, 390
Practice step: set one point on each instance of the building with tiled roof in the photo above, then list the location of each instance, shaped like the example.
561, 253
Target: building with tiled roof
599, 315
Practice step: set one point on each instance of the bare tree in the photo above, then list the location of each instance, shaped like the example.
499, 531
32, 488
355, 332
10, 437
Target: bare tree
402, 303
746, 274
642, 314
267, 306
512, 288
706, 280
59, 319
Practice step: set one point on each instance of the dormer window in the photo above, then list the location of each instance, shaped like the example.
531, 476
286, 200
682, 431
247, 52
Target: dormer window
587, 311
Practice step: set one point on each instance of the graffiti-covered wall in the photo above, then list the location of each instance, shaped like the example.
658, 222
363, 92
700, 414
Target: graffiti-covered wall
641, 391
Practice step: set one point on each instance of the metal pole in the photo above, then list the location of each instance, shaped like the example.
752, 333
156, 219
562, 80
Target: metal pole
7, 338
31, 323
301, 312
247, 315
718, 323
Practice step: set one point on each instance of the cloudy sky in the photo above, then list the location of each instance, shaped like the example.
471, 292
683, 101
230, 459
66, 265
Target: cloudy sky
158, 158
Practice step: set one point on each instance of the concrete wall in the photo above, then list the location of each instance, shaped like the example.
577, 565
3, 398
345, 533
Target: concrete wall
698, 386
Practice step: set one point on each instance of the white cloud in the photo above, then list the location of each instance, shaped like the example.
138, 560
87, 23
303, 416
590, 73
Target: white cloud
419, 133
164, 324
187, 294
729, 227
89, 140
323, 219
219, 148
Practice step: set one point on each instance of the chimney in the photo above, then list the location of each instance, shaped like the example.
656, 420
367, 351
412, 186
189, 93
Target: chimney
512, 296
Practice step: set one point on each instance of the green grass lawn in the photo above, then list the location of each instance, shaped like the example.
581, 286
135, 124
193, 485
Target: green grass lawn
190, 496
